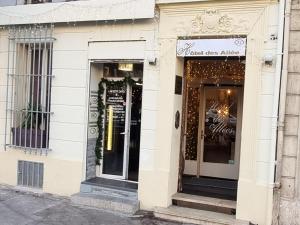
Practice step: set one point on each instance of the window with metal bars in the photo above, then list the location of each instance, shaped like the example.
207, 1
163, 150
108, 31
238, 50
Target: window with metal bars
36, 1
29, 88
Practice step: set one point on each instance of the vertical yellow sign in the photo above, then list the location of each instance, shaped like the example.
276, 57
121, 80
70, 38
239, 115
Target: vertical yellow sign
110, 127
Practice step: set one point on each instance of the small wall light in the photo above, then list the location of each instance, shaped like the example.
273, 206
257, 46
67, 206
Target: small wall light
268, 59
151, 59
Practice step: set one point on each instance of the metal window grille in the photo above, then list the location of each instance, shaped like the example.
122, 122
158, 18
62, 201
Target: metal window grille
30, 174
29, 79
36, 1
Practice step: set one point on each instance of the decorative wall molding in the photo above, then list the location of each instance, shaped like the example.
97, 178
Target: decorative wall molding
93, 115
209, 21
212, 21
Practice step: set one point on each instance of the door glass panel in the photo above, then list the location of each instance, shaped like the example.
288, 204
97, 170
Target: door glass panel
114, 130
220, 125
135, 130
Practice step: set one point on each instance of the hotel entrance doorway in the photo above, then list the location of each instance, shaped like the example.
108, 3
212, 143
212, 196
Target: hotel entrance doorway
213, 117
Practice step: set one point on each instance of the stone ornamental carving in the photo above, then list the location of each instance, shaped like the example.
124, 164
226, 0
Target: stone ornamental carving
93, 130
93, 100
212, 21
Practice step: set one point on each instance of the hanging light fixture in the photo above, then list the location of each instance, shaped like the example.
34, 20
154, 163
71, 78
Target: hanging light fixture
125, 67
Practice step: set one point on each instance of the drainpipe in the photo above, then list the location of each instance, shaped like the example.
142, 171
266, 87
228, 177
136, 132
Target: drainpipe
280, 98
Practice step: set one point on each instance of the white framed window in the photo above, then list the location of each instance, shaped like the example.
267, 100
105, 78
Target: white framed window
29, 88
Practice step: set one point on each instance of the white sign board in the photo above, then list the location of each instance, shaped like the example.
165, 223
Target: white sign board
211, 47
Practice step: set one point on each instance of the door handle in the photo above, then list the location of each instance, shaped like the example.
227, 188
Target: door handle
124, 133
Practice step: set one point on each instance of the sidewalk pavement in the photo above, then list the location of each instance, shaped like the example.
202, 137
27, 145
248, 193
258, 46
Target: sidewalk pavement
24, 208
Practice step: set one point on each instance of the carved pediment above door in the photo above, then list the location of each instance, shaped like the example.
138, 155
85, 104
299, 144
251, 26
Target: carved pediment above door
216, 22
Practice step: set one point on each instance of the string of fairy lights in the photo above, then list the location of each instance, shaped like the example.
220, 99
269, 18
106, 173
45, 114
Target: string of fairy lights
217, 72
192, 123
199, 73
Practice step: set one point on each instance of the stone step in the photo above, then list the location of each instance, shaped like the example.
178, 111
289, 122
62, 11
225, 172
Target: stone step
219, 192
112, 184
109, 191
210, 187
120, 204
205, 203
103, 197
194, 216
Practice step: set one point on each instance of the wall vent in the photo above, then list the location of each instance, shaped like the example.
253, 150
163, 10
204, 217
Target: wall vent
30, 174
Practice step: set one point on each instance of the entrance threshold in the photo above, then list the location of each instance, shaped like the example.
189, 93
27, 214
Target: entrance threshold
123, 185
195, 209
204, 203
210, 187
194, 216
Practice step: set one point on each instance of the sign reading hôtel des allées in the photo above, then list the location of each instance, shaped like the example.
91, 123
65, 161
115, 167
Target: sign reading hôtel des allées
211, 47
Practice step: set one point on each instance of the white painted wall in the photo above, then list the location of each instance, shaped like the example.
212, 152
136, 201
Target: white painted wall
65, 164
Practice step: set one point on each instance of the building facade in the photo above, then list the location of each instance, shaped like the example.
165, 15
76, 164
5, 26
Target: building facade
74, 52
286, 195
177, 98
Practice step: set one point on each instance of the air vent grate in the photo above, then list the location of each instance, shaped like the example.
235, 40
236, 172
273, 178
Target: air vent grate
30, 174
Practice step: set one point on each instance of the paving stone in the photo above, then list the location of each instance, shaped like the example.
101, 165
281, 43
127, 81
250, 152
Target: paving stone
7, 194
11, 216
17, 208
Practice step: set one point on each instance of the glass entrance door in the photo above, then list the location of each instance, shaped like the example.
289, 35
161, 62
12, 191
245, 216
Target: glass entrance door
121, 131
116, 131
220, 132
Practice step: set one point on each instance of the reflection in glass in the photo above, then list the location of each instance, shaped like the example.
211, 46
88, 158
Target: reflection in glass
220, 125
114, 130
135, 130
